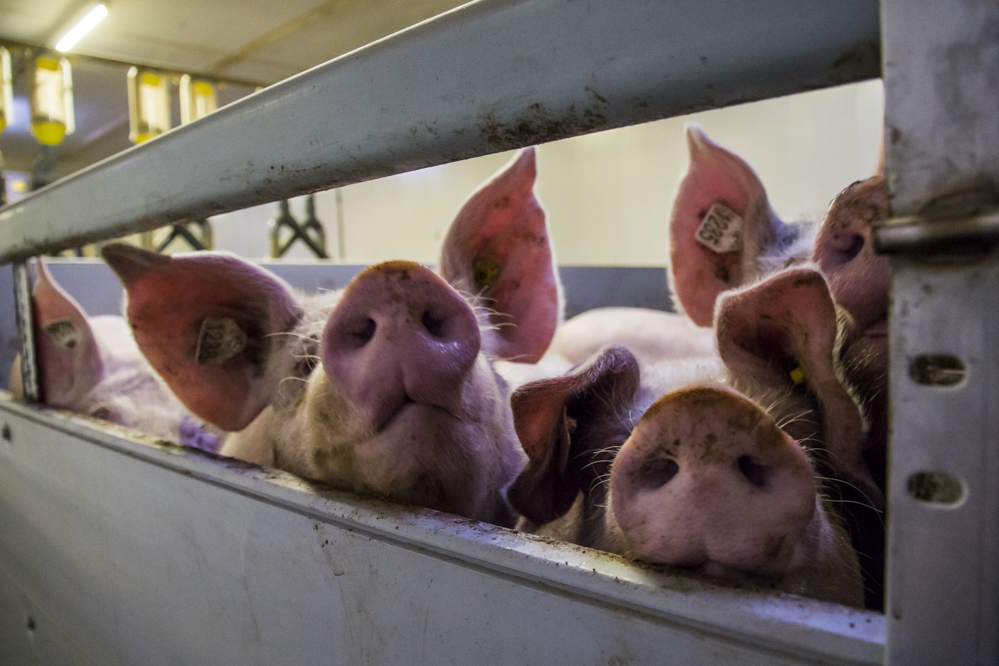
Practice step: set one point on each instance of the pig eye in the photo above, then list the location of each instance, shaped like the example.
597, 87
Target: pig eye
657, 473
848, 253
435, 325
755, 473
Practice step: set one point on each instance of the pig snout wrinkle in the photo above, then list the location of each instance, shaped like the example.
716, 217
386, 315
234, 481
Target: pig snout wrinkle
400, 335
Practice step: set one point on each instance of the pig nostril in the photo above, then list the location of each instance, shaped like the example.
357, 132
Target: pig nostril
435, 326
658, 473
362, 335
755, 473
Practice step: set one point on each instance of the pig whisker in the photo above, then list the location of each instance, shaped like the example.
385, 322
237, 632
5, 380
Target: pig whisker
860, 490
858, 503
293, 334
793, 418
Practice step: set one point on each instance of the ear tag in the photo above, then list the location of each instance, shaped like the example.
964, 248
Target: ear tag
221, 338
64, 333
720, 230
797, 376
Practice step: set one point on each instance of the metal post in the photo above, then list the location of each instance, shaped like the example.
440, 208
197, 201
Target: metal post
26, 332
341, 243
942, 134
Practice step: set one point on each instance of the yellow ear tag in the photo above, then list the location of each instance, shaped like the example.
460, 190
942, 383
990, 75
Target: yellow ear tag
797, 376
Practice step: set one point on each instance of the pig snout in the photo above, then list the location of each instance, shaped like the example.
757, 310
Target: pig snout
858, 278
399, 335
708, 480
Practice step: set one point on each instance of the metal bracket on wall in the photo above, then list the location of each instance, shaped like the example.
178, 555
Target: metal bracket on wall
203, 240
310, 231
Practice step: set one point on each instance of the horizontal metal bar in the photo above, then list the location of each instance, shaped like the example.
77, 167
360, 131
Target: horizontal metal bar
919, 235
295, 567
489, 76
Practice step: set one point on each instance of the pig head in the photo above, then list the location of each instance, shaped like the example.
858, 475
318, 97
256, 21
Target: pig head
387, 387
701, 464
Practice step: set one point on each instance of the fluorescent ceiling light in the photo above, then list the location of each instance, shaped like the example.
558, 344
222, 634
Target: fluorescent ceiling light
86, 24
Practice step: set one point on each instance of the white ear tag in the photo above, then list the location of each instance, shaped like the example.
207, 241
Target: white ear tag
64, 333
720, 230
221, 338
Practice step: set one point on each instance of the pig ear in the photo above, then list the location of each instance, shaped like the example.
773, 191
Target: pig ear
206, 322
69, 361
498, 251
720, 224
565, 425
785, 330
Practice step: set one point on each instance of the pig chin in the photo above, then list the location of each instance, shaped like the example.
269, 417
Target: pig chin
444, 458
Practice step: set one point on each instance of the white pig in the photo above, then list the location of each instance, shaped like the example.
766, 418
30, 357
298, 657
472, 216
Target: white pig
714, 464
859, 281
92, 366
387, 387
723, 234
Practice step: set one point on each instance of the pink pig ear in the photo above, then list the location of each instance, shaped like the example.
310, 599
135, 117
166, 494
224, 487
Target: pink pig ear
69, 361
784, 330
498, 250
568, 426
720, 224
206, 321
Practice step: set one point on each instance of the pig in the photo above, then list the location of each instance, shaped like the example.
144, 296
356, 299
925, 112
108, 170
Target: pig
859, 281
723, 233
651, 335
91, 365
717, 464
388, 387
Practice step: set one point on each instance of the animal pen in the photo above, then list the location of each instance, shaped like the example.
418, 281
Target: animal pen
116, 548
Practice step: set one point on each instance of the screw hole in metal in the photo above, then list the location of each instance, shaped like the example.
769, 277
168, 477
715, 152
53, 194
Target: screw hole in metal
5, 432
31, 624
936, 488
937, 370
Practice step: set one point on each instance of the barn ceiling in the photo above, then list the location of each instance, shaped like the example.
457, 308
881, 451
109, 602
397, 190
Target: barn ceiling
244, 43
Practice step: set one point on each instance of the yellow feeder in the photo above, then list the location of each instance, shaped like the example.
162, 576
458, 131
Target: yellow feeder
6, 90
51, 97
148, 104
197, 99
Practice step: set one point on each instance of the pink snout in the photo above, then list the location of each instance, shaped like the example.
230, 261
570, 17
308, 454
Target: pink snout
400, 335
708, 480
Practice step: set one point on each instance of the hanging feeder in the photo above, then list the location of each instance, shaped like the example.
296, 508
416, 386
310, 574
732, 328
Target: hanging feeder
6, 90
197, 99
50, 93
148, 104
